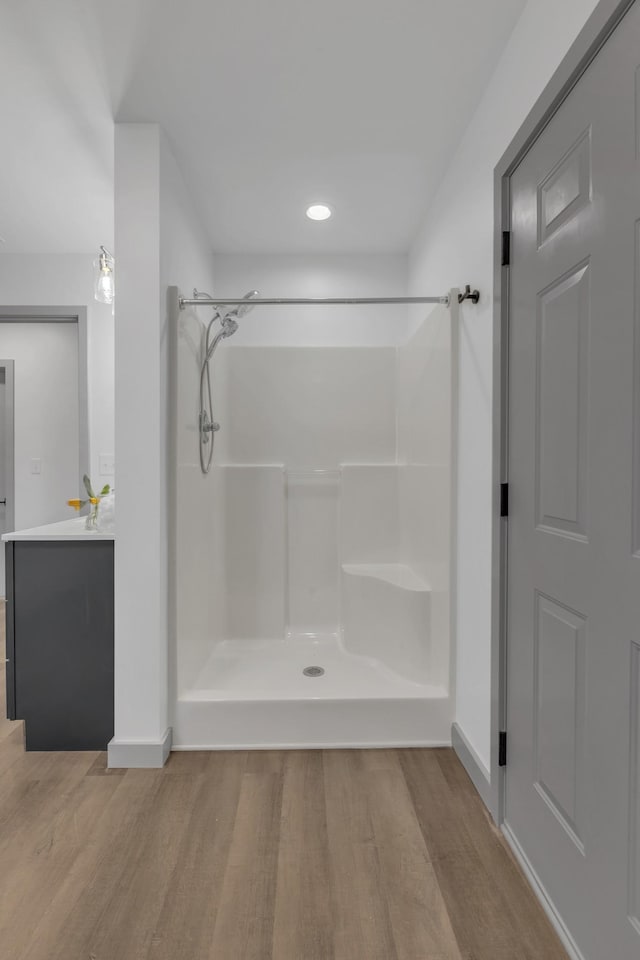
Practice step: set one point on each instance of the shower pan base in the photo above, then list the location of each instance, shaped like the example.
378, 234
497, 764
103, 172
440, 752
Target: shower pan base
255, 695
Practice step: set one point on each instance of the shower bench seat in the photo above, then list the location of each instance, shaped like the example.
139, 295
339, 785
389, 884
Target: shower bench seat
387, 615
399, 575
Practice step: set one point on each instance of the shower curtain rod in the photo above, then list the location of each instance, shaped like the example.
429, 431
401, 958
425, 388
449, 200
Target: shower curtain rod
286, 301
468, 294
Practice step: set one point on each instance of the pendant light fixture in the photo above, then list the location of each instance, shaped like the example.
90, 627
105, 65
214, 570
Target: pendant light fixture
104, 266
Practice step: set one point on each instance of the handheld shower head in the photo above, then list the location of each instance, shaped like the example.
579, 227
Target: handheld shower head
207, 426
229, 327
242, 309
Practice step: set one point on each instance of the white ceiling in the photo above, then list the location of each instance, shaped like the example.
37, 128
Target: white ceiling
56, 146
269, 105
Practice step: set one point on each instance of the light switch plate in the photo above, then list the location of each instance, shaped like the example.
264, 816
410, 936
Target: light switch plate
36, 465
107, 465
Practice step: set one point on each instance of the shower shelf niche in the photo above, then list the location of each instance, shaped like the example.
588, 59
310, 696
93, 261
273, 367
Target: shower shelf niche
313, 566
312, 476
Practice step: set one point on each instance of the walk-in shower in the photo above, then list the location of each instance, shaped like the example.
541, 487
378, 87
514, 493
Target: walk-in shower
313, 567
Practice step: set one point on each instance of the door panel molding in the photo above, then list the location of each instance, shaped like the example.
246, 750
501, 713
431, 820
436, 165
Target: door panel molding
566, 190
561, 428
559, 662
638, 113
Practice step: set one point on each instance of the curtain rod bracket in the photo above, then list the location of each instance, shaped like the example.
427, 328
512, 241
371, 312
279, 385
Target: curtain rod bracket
468, 294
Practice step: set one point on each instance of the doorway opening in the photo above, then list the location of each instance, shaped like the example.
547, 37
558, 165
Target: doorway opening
44, 422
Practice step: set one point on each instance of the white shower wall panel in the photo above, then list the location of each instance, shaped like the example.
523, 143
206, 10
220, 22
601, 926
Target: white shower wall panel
189, 351
200, 569
310, 406
424, 529
253, 508
426, 423
313, 561
423, 521
369, 515
425, 390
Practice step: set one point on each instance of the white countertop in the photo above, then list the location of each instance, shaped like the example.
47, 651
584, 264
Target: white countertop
73, 529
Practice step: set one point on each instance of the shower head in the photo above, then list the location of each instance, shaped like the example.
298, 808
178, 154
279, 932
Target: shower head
229, 327
242, 309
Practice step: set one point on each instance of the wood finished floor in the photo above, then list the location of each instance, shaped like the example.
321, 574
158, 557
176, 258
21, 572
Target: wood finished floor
297, 855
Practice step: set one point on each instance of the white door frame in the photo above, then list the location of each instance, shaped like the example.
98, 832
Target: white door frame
77, 315
592, 37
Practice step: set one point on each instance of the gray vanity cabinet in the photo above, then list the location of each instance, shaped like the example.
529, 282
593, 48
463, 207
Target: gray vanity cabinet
60, 642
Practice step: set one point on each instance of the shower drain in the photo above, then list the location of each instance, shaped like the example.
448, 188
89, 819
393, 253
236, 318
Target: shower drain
313, 671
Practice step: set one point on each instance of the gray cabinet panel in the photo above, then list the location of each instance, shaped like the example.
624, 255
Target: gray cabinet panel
60, 617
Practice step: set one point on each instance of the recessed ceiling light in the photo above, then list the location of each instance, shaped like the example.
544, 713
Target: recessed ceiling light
319, 211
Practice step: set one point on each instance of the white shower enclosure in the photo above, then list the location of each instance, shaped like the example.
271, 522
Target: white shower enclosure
313, 564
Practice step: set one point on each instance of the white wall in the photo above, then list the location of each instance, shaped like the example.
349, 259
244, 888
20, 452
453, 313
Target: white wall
67, 280
186, 261
455, 246
46, 421
159, 243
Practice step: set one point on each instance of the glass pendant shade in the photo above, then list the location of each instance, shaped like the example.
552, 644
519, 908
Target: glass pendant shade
103, 271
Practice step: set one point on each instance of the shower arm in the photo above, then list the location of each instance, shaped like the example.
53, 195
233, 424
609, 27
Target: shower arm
184, 302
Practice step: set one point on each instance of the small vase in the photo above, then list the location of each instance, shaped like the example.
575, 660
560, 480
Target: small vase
91, 523
107, 515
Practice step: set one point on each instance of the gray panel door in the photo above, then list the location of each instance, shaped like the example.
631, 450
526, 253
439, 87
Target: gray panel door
573, 718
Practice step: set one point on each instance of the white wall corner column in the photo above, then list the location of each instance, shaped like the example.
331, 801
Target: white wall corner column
142, 736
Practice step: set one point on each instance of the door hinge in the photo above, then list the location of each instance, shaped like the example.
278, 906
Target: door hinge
502, 748
504, 499
506, 248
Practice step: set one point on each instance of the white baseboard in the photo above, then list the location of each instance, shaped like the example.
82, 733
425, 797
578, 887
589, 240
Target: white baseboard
547, 904
472, 763
139, 753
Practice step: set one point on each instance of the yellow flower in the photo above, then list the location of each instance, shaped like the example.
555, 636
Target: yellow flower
94, 499
76, 504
